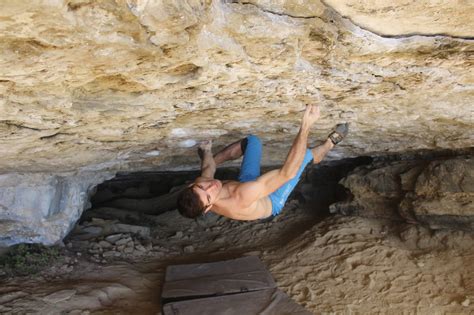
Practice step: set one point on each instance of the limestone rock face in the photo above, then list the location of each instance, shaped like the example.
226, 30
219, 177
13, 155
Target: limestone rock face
425, 17
439, 194
41, 208
132, 84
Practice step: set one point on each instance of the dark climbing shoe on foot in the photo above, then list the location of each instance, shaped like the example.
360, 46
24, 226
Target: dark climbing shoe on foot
339, 133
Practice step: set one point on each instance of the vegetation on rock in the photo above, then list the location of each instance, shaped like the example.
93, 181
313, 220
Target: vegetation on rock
27, 259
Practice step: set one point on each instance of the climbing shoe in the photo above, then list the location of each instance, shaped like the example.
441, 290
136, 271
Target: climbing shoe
339, 133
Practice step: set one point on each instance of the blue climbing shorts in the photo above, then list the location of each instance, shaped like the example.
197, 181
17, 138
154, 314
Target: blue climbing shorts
250, 170
250, 167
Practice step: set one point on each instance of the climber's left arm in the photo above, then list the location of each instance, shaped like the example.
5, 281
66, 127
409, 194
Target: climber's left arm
208, 165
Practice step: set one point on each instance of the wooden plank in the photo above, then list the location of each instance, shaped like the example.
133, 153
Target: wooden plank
218, 285
265, 302
225, 277
190, 271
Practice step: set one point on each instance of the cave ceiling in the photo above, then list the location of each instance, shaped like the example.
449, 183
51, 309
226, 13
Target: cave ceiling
134, 85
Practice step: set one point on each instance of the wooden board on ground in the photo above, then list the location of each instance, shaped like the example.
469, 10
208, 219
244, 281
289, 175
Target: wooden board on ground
218, 278
238, 286
265, 302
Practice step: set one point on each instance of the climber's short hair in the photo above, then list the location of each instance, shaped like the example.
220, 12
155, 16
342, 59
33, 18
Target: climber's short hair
189, 203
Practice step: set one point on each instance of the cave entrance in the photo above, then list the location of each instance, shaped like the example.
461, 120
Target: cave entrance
134, 214
131, 196
150, 193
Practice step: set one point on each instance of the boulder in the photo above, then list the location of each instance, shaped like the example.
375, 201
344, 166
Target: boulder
43, 208
439, 193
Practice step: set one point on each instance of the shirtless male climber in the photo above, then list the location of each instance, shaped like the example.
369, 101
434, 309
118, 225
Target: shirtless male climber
254, 196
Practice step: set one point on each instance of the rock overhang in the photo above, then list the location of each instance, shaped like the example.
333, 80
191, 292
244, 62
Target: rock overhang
100, 85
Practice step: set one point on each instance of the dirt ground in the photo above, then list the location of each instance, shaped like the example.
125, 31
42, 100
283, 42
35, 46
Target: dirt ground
332, 265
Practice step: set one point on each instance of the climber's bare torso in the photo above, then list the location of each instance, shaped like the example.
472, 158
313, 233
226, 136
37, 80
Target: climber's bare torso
235, 203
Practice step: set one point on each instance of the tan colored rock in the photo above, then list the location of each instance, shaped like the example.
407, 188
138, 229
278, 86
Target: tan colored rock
107, 85
398, 18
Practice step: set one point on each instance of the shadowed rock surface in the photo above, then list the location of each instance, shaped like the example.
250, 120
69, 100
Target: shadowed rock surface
437, 193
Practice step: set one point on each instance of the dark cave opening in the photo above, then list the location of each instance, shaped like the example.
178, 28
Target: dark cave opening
133, 215
154, 193
138, 198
